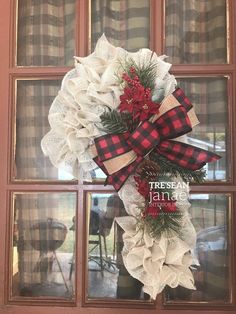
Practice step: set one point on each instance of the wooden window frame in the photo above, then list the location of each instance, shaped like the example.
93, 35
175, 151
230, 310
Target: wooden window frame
7, 186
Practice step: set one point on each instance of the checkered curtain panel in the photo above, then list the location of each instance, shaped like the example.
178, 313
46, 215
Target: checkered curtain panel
45, 32
210, 101
33, 101
125, 23
196, 31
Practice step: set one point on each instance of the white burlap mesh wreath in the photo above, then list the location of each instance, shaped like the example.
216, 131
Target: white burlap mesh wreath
87, 91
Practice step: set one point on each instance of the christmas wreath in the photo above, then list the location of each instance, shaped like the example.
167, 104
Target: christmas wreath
124, 113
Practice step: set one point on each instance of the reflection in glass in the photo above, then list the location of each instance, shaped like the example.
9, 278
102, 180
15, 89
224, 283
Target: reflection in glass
195, 31
210, 100
45, 32
33, 101
43, 245
210, 213
125, 23
107, 275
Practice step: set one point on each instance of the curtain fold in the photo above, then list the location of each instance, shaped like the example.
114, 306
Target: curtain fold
125, 23
33, 102
209, 96
195, 31
46, 32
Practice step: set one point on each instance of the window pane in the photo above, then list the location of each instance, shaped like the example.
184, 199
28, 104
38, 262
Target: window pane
46, 32
34, 99
210, 100
43, 245
210, 216
125, 23
196, 31
98, 175
107, 275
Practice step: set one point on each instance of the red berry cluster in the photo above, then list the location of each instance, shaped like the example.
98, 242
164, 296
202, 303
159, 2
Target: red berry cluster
135, 82
147, 93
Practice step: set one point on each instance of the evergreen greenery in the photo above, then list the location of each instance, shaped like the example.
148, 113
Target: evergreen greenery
165, 222
145, 71
115, 122
169, 222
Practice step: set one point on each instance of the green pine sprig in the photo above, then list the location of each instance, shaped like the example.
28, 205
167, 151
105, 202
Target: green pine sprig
114, 122
168, 222
145, 71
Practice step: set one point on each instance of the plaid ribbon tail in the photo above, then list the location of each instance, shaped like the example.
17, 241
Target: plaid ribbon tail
182, 99
118, 178
185, 155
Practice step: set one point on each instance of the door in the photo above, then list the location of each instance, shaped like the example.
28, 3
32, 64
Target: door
53, 259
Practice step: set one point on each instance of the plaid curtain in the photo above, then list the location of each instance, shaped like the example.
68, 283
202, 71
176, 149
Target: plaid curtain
195, 31
125, 23
46, 32
210, 100
33, 101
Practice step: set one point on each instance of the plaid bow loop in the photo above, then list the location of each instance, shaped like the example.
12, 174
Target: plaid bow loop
173, 123
110, 145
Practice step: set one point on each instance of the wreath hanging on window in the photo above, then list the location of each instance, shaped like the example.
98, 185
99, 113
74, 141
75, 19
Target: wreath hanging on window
124, 113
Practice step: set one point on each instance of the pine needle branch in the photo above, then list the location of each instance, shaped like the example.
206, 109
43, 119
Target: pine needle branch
145, 71
146, 74
171, 223
113, 122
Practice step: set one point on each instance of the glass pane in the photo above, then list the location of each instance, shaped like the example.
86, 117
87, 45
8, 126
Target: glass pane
46, 32
98, 175
107, 275
33, 101
43, 245
210, 216
125, 23
196, 31
210, 100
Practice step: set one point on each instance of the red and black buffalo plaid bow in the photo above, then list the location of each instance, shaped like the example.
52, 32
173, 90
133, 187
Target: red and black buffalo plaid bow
154, 135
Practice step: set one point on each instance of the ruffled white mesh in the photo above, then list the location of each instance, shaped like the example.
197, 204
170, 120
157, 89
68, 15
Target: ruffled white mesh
156, 262
87, 91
